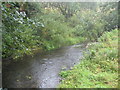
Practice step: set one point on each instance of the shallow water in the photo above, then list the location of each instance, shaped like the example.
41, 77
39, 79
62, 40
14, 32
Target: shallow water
42, 70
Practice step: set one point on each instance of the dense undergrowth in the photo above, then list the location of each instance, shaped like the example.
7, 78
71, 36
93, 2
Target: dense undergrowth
27, 26
99, 69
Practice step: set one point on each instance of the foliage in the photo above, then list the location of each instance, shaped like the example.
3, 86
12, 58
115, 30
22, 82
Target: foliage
30, 26
109, 11
18, 32
92, 22
99, 69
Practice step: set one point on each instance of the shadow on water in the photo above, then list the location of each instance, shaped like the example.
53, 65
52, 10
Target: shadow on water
41, 71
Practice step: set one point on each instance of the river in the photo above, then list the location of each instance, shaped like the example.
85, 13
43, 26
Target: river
41, 70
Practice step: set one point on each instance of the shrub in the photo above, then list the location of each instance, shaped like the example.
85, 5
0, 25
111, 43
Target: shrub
99, 69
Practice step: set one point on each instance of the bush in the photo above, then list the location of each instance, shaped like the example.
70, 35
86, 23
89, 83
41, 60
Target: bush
99, 69
19, 37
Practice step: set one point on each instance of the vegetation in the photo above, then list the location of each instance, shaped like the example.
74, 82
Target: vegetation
99, 69
46, 26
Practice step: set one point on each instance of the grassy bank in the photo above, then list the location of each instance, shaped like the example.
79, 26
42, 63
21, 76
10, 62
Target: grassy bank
99, 69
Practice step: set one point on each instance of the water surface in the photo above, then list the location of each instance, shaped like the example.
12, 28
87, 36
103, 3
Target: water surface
42, 70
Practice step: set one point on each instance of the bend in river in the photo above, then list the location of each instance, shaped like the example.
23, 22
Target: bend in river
41, 71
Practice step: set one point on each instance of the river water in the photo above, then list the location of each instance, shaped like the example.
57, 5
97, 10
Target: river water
41, 70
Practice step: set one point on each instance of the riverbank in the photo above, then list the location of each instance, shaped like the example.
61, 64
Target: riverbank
99, 69
41, 71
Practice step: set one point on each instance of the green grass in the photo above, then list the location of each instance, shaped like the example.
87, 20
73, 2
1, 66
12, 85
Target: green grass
99, 69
